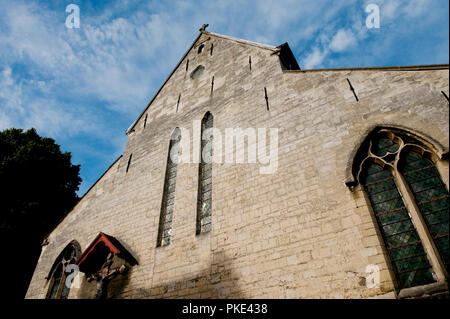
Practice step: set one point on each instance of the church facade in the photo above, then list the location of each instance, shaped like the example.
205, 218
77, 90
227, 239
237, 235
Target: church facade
247, 177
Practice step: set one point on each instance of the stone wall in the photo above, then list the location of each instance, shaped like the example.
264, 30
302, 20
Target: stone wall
297, 233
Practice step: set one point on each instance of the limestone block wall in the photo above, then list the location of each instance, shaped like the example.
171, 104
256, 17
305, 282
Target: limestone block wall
297, 233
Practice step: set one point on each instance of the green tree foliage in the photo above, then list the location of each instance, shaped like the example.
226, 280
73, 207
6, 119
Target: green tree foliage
38, 183
38, 187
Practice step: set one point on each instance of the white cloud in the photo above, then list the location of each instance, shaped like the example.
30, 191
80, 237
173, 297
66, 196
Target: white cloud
389, 9
414, 8
98, 62
314, 59
122, 60
403, 9
10, 95
6, 76
342, 40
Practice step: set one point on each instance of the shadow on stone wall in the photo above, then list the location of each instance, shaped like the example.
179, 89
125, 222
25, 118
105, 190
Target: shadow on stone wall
220, 280
116, 285
87, 289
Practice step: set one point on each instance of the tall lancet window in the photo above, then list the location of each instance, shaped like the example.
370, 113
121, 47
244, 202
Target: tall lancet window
204, 197
410, 203
168, 201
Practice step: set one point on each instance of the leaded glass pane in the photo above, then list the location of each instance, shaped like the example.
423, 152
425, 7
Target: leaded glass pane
377, 175
431, 197
402, 242
416, 277
384, 145
380, 187
394, 216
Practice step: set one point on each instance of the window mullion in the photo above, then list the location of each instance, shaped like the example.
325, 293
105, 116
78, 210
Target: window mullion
419, 224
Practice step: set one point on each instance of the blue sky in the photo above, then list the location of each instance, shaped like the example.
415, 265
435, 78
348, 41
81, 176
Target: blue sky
84, 87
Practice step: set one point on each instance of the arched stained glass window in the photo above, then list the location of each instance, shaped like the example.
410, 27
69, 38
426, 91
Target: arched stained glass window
59, 271
410, 203
168, 201
204, 197
401, 239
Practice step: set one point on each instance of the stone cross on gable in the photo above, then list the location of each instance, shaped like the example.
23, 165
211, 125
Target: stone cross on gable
203, 28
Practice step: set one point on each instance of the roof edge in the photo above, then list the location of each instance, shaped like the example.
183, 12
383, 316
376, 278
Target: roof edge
164, 83
256, 44
380, 68
104, 173
264, 46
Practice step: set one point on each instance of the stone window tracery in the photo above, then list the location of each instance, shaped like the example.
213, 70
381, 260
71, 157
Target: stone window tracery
410, 203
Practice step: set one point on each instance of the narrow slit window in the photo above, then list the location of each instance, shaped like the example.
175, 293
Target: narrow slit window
178, 102
168, 201
211, 49
353, 90
204, 197
128, 164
